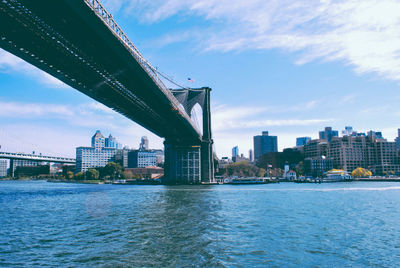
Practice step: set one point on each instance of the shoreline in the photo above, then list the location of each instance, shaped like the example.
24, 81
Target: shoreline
97, 182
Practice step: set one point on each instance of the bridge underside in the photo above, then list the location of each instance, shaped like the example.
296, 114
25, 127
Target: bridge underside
68, 40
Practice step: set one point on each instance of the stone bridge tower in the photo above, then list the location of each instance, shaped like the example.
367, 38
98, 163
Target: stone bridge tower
185, 162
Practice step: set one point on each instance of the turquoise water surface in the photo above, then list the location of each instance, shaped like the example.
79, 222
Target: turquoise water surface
353, 224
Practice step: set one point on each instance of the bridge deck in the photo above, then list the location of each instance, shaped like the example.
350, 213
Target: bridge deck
68, 40
33, 157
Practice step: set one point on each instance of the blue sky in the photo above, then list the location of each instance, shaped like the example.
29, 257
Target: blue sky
287, 67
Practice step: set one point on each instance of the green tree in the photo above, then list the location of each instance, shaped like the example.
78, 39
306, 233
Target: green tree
361, 173
70, 175
243, 169
79, 176
127, 175
261, 172
300, 168
92, 174
112, 170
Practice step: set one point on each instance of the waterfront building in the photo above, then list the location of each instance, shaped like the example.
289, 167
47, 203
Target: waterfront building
370, 152
290, 175
22, 163
317, 166
3, 168
385, 158
223, 162
121, 157
264, 144
29, 171
328, 134
98, 155
160, 157
315, 148
142, 158
144, 143
302, 141
348, 152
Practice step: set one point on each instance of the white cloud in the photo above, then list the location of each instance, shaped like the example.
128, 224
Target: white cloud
19, 109
11, 63
360, 33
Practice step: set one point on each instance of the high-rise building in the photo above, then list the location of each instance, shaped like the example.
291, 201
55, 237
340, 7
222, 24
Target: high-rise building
328, 134
98, 140
141, 158
264, 144
144, 143
397, 140
348, 152
375, 134
121, 157
251, 155
98, 155
302, 141
235, 152
3, 168
371, 152
315, 148
348, 131
111, 142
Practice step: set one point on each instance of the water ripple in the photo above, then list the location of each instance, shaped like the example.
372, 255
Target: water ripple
280, 225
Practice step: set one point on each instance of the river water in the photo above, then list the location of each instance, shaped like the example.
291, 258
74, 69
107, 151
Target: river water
275, 225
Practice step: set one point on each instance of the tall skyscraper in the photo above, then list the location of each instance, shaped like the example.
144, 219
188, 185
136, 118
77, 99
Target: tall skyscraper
328, 134
264, 144
235, 152
302, 141
144, 143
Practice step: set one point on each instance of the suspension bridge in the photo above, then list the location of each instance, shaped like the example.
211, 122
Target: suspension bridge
80, 43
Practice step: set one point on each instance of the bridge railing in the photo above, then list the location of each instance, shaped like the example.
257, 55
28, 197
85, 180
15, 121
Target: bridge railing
108, 19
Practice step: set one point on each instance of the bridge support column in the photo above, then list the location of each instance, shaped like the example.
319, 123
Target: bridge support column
207, 154
207, 162
182, 164
12, 168
188, 164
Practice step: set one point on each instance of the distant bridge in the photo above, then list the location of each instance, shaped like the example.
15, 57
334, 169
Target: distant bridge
79, 42
34, 157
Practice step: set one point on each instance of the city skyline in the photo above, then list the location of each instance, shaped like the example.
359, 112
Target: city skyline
291, 76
